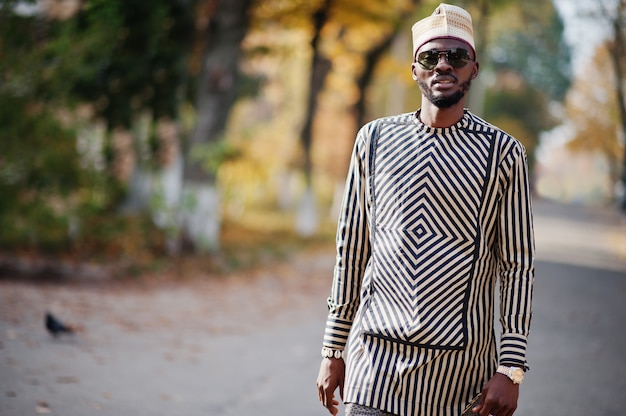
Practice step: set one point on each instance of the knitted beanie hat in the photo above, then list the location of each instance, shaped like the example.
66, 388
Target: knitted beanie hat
447, 21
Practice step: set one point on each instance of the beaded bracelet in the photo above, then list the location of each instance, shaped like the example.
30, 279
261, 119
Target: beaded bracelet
331, 353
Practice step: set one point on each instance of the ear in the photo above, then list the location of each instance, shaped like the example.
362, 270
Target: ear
413, 71
475, 70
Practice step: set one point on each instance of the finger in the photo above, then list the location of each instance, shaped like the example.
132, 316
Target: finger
332, 407
486, 410
495, 411
323, 397
477, 408
510, 412
329, 400
320, 394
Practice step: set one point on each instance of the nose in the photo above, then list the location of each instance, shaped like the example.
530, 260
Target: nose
443, 62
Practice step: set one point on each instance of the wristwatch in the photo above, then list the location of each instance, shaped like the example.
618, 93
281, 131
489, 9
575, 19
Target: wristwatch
516, 374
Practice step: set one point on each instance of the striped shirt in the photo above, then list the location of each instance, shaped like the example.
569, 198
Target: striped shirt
430, 219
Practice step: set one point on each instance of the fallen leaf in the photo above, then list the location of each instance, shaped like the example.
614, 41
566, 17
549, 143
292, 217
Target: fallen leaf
43, 407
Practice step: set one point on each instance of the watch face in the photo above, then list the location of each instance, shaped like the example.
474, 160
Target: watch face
517, 375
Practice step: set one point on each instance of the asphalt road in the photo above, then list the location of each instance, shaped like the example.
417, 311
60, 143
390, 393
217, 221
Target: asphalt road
249, 344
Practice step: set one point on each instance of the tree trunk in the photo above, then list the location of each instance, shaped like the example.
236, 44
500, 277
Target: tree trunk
372, 57
320, 67
617, 54
306, 219
216, 93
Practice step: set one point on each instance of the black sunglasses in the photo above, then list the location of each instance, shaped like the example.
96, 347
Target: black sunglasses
457, 57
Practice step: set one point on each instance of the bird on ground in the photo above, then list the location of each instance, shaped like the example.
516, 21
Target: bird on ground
56, 327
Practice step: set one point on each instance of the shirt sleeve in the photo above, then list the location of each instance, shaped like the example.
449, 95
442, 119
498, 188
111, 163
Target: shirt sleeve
517, 252
353, 249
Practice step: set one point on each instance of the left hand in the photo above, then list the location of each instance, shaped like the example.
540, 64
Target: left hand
499, 397
331, 375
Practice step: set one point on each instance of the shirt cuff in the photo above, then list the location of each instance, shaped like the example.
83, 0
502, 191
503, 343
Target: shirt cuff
336, 333
513, 350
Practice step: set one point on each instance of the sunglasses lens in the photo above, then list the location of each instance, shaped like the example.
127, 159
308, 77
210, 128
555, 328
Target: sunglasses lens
428, 59
458, 58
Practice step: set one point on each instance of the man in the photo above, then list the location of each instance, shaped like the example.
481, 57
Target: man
436, 209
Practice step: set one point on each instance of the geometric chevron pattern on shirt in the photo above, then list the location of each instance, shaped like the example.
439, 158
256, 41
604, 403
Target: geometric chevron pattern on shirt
427, 190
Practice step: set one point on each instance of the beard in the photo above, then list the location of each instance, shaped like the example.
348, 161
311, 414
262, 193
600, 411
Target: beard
444, 101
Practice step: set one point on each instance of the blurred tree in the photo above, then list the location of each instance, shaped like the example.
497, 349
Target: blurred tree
320, 66
530, 63
612, 15
35, 186
616, 18
36, 179
592, 109
123, 59
127, 60
527, 37
223, 25
393, 21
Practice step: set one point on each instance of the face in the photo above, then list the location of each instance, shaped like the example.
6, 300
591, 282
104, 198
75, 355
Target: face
445, 86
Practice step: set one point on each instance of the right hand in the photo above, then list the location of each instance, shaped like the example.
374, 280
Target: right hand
331, 375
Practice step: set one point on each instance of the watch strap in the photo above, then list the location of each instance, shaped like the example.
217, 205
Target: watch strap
515, 374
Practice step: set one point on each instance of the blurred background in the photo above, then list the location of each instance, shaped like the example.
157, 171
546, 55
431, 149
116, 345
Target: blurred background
171, 173
137, 130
